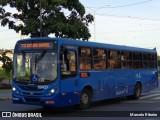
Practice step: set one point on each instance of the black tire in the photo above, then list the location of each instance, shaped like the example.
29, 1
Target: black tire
137, 91
85, 99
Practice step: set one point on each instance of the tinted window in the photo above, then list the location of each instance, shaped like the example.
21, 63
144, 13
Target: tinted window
99, 59
85, 58
114, 59
126, 60
137, 60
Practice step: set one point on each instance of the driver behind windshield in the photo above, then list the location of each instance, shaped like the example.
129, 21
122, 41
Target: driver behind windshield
46, 68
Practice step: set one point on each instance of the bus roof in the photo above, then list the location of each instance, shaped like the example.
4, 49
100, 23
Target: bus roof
68, 41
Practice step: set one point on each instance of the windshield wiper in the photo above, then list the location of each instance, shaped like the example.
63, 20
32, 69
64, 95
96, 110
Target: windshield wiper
37, 59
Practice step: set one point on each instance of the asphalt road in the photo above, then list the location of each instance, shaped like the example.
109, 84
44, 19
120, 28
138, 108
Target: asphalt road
147, 107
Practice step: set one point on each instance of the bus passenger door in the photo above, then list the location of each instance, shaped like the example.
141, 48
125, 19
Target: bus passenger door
69, 80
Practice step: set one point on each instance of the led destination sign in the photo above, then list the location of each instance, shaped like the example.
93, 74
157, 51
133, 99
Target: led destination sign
37, 45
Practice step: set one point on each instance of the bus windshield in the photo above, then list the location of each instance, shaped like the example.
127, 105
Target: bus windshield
42, 64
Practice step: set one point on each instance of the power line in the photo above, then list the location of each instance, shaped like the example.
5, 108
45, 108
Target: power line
128, 5
132, 31
131, 17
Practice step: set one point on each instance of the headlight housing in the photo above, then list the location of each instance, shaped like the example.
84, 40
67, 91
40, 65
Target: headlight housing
52, 91
14, 89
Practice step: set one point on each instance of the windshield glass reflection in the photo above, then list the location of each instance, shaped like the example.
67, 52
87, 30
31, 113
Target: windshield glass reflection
35, 67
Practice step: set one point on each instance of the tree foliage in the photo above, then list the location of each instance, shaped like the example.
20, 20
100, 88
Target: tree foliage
158, 60
7, 62
65, 18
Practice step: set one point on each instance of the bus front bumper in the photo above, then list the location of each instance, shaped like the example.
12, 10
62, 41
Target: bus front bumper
58, 100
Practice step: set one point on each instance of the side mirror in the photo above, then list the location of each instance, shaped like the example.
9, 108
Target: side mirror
66, 53
68, 56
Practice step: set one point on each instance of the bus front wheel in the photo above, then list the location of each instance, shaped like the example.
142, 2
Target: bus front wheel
85, 99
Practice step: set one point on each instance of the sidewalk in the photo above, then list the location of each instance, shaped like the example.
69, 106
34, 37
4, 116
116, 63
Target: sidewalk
5, 94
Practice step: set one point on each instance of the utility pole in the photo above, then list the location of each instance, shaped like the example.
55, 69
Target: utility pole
20, 33
94, 14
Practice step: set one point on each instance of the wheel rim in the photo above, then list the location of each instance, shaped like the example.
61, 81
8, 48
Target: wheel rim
84, 98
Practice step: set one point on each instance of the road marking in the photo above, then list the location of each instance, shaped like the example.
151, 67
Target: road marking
137, 101
155, 91
157, 98
143, 97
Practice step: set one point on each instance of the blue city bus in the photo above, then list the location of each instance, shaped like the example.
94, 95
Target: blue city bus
63, 72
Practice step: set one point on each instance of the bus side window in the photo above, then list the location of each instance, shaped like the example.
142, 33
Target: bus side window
153, 61
146, 61
114, 59
68, 64
99, 59
126, 60
137, 60
85, 58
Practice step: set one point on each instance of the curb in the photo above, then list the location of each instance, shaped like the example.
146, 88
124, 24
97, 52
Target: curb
5, 98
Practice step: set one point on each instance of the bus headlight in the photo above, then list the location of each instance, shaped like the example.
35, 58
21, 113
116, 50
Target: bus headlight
14, 89
52, 91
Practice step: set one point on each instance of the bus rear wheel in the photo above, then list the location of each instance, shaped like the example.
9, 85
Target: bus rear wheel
137, 91
85, 99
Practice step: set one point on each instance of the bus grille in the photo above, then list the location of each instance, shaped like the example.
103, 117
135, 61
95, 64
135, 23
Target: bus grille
28, 93
32, 99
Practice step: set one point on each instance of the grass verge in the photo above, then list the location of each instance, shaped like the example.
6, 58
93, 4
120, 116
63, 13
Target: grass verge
4, 75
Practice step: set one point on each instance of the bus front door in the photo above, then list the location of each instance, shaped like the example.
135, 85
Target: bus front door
69, 80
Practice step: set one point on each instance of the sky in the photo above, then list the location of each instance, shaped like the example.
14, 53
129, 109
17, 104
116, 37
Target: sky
122, 22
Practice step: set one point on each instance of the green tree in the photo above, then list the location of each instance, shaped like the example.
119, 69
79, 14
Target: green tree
158, 60
7, 62
64, 18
